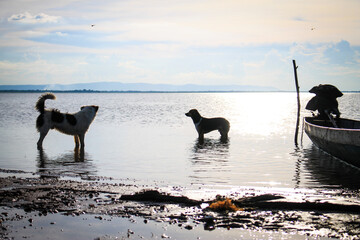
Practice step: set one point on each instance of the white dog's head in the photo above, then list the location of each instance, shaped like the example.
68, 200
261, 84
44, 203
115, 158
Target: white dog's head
90, 108
89, 111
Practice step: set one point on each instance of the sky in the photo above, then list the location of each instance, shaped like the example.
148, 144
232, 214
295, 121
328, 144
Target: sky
209, 42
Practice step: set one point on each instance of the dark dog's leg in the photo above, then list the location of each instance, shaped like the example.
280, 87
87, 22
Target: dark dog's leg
201, 138
43, 134
224, 136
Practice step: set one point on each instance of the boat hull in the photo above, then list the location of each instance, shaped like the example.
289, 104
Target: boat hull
342, 142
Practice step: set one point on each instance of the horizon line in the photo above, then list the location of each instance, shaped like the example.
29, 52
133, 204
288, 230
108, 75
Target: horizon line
155, 91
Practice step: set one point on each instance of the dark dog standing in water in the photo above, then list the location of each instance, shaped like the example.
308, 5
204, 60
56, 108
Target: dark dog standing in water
72, 124
206, 125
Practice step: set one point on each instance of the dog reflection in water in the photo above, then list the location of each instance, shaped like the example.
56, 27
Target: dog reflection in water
206, 125
78, 156
75, 163
75, 124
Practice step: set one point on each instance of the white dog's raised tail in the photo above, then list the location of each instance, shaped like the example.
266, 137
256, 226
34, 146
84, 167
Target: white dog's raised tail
40, 104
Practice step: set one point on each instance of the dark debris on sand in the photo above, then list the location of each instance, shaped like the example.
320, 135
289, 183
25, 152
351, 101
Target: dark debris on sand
262, 212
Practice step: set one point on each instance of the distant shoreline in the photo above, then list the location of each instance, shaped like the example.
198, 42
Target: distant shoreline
130, 91
119, 91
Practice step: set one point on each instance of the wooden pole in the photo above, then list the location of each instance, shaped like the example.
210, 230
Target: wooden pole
298, 103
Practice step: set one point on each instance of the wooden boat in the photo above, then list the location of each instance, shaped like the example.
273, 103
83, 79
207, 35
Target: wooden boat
342, 141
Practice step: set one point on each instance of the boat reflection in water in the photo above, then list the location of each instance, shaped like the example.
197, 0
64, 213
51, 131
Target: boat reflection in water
326, 171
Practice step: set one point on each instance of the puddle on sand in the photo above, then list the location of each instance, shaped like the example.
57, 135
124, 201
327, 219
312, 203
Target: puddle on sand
91, 226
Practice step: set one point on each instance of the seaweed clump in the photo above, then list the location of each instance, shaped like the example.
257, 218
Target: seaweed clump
225, 205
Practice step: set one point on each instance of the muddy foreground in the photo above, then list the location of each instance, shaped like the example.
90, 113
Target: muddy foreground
50, 207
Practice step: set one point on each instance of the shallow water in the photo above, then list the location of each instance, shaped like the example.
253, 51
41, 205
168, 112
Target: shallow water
58, 226
146, 138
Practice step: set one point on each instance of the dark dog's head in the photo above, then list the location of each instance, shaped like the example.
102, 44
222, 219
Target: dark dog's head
192, 113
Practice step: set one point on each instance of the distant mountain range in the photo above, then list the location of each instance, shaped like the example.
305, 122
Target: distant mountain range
137, 87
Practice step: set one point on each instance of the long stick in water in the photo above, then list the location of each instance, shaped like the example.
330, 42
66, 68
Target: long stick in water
298, 103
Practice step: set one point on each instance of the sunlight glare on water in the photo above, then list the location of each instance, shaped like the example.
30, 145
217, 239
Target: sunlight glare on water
259, 113
147, 137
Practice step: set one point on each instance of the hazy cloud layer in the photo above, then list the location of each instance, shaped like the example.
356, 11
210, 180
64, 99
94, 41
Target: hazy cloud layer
178, 42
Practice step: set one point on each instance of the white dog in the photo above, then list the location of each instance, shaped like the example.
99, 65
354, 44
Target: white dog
73, 124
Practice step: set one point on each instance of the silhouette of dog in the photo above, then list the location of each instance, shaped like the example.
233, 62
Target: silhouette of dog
206, 125
72, 124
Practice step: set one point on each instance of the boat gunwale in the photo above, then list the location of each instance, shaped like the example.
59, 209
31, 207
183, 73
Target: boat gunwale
333, 128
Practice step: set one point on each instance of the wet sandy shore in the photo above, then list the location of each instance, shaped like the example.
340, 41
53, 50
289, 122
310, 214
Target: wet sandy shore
55, 208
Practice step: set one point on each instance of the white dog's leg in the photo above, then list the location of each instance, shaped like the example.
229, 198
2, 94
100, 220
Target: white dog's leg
77, 141
82, 142
43, 134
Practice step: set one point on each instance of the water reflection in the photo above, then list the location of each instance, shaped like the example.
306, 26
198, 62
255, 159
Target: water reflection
76, 163
323, 170
210, 160
299, 156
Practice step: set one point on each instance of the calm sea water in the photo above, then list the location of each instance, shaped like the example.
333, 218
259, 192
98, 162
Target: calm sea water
146, 138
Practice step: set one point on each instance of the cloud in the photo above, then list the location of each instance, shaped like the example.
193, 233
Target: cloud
128, 65
338, 53
36, 72
61, 34
335, 63
202, 77
198, 23
229, 41
341, 53
300, 19
233, 23
28, 18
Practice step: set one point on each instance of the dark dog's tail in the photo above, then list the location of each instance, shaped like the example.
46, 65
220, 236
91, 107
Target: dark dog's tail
40, 104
